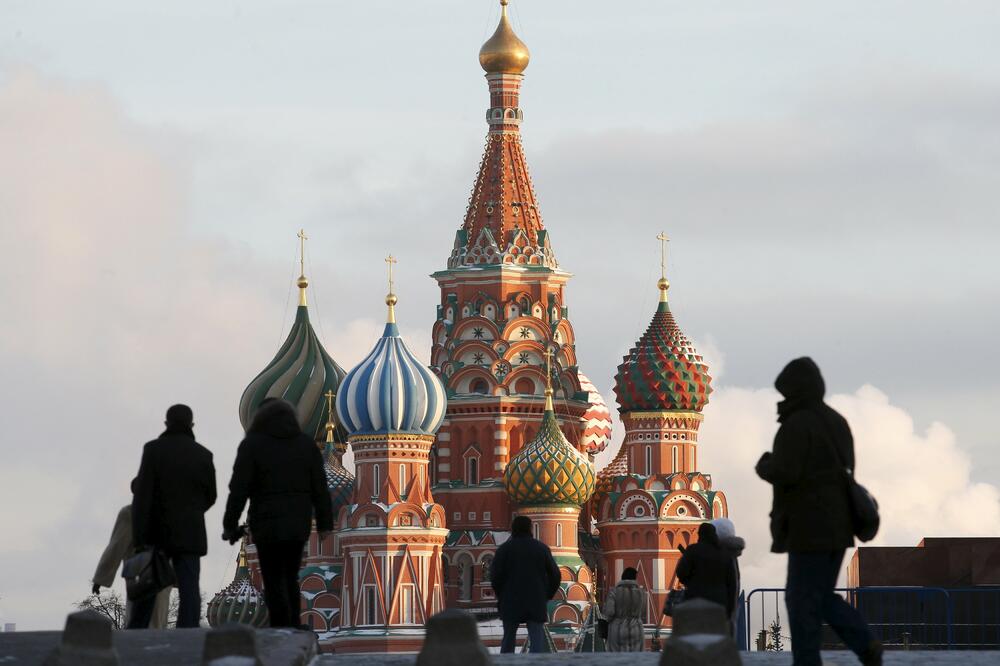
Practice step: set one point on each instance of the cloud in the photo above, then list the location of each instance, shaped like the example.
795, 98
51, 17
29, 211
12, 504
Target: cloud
922, 479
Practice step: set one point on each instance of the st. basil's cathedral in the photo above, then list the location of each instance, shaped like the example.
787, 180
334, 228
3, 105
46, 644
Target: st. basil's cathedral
502, 423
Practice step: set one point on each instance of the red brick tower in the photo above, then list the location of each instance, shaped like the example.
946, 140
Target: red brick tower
651, 498
503, 306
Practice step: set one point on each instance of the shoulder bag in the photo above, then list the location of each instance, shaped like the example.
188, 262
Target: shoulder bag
146, 573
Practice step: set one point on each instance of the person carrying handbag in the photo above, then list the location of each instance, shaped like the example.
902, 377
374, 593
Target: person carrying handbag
813, 516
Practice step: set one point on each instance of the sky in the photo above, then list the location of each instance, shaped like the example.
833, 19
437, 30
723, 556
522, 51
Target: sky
828, 174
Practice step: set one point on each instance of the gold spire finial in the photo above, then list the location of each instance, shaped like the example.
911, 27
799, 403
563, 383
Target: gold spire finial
330, 427
390, 298
664, 283
548, 380
302, 281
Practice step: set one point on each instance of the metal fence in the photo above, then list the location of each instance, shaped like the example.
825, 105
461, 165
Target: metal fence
903, 618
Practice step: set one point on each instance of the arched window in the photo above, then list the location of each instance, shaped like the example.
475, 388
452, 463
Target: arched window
371, 615
376, 480
524, 386
433, 462
534, 529
479, 385
558, 535
472, 472
402, 479
673, 460
649, 460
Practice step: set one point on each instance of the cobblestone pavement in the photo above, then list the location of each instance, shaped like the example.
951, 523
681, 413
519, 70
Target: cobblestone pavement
651, 659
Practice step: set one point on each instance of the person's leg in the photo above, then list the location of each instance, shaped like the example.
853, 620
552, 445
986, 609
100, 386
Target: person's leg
271, 573
292, 565
843, 618
509, 640
536, 634
188, 571
804, 598
142, 612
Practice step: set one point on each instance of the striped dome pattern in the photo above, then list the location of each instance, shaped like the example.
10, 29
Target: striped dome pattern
339, 481
301, 372
597, 418
548, 470
662, 371
391, 391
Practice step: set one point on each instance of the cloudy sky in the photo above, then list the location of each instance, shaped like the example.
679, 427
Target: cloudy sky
829, 174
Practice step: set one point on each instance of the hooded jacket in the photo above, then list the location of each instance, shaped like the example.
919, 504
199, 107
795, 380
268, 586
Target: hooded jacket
280, 470
707, 570
810, 511
524, 576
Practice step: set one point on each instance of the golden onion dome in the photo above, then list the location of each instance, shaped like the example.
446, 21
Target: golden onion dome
548, 470
504, 52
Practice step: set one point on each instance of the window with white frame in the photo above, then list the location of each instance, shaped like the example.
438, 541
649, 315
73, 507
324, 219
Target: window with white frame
371, 607
472, 471
406, 604
649, 460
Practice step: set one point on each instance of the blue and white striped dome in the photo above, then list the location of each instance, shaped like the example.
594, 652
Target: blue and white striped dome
391, 391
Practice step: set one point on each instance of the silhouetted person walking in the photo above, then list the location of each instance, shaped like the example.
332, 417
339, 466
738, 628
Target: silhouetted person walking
707, 571
280, 470
174, 489
733, 546
524, 576
811, 516
624, 609
120, 547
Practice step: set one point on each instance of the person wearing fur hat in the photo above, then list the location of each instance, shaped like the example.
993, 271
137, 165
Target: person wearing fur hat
733, 545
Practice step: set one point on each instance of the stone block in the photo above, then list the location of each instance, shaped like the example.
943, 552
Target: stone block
230, 641
452, 639
700, 650
86, 641
699, 616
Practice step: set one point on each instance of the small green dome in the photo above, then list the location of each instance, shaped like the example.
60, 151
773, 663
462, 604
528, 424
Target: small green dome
548, 470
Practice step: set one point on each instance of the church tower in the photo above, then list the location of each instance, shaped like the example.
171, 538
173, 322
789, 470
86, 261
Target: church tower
652, 497
503, 307
391, 535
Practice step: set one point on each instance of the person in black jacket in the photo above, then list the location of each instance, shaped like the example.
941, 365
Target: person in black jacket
524, 576
706, 570
280, 470
811, 514
174, 489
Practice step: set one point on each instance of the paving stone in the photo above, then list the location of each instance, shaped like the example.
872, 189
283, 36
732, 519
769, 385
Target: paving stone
230, 640
453, 640
86, 641
699, 616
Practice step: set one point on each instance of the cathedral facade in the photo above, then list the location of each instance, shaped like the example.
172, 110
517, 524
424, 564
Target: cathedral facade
502, 423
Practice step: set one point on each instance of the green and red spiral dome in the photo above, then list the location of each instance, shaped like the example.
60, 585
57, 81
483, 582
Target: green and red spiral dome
663, 371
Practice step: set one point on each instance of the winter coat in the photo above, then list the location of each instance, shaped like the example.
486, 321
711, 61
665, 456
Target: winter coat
733, 546
624, 609
810, 510
280, 471
120, 547
524, 576
707, 571
174, 489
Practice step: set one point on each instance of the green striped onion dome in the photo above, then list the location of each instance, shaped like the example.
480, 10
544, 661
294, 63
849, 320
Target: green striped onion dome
662, 371
548, 470
239, 602
301, 372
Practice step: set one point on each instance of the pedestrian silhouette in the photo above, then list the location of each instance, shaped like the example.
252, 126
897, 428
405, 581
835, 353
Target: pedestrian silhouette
733, 546
707, 572
624, 609
811, 517
173, 490
279, 469
524, 576
120, 547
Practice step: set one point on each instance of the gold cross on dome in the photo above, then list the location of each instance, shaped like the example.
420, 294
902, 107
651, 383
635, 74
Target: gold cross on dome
329, 406
664, 239
302, 250
390, 260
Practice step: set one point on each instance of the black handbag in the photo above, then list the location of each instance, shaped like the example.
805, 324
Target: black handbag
602, 628
675, 598
864, 507
146, 573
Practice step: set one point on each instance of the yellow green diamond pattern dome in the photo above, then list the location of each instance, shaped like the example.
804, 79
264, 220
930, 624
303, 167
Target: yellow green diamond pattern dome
548, 470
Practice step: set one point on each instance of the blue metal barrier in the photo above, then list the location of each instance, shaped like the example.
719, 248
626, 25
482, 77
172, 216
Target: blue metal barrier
920, 618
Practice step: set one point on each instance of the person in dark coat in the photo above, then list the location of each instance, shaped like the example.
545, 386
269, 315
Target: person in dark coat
173, 490
706, 570
811, 514
279, 469
524, 576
